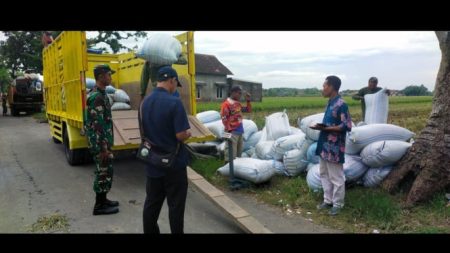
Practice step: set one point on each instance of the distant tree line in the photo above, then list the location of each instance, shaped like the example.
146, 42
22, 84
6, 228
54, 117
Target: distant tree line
291, 92
412, 90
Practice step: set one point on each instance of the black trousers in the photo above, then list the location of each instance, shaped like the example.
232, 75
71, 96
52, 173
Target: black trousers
173, 186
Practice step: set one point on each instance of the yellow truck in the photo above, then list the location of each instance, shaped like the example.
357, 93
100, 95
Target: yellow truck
67, 64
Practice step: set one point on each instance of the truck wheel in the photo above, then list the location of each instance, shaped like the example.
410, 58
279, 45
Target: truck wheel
73, 156
88, 156
14, 111
56, 140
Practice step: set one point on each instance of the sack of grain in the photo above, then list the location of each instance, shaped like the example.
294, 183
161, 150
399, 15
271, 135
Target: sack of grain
264, 151
249, 128
354, 168
295, 162
216, 127
252, 140
253, 170
121, 96
295, 130
377, 107
119, 106
277, 125
208, 116
374, 176
313, 178
383, 153
308, 121
287, 143
160, 49
362, 136
311, 154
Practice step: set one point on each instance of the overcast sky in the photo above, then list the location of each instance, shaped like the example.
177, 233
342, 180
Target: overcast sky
304, 59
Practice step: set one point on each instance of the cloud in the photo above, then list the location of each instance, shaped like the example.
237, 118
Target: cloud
304, 59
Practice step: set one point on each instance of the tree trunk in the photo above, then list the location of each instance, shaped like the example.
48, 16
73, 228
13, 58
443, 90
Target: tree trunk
425, 169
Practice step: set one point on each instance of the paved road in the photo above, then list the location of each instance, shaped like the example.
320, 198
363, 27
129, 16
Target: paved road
36, 180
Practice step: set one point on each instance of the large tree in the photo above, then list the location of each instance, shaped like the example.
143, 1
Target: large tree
21, 50
425, 169
415, 90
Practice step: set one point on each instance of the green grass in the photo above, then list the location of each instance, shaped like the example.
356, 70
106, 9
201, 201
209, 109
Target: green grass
280, 103
407, 112
40, 116
207, 167
365, 209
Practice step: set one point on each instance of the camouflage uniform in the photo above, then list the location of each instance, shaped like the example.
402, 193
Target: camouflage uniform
99, 130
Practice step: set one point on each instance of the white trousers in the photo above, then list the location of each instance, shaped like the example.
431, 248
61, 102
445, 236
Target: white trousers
333, 182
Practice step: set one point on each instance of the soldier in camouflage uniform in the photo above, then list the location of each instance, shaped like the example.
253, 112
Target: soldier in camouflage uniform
99, 130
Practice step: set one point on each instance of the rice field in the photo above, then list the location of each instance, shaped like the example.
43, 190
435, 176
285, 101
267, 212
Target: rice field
407, 112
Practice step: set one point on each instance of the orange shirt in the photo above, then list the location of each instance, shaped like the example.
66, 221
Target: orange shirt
230, 112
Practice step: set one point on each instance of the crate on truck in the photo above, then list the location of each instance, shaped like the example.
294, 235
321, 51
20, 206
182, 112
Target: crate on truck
67, 64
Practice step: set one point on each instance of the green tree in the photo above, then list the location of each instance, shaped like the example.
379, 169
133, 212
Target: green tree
5, 79
415, 90
21, 50
114, 38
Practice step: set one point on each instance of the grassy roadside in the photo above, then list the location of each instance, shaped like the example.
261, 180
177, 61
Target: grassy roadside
41, 117
366, 209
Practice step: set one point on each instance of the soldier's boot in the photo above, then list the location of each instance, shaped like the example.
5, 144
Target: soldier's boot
111, 202
101, 207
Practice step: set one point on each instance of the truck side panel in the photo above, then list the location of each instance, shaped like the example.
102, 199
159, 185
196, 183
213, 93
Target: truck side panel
65, 62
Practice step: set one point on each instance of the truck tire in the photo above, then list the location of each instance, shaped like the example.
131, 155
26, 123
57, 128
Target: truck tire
56, 140
14, 111
88, 156
73, 156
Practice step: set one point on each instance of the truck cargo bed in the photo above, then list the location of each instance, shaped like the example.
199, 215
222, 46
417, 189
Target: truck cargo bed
126, 130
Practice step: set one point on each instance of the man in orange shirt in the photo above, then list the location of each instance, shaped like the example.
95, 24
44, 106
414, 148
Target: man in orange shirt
230, 112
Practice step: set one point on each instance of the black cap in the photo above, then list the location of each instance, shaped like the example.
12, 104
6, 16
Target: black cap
166, 72
235, 88
102, 68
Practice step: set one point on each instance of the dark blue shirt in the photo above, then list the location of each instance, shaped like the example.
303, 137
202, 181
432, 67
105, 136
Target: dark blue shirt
163, 116
331, 145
